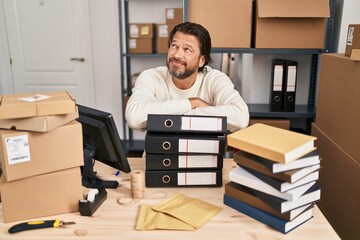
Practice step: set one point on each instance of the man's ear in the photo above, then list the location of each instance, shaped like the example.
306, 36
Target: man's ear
202, 61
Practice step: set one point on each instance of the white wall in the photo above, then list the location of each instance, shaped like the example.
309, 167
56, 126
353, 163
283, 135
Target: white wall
348, 13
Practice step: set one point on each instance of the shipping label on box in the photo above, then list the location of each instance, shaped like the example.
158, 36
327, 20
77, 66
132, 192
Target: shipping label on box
36, 104
352, 39
25, 154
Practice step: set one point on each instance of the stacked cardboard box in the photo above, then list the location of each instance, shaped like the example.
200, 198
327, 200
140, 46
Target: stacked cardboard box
173, 16
141, 38
276, 178
40, 165
184, 151
338, 131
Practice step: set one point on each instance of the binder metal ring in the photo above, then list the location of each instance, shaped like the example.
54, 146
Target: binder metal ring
277, 98
290, 99
168, 123
166, 162
166, 145
166, 179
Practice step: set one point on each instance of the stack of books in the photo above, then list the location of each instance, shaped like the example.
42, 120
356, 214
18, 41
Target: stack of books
275, 180
184, 151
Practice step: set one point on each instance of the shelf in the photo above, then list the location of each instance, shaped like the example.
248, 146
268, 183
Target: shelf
268, 51
241, 50
262, 110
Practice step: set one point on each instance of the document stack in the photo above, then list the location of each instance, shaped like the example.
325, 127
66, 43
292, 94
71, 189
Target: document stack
41, 151
275, 180
184, 151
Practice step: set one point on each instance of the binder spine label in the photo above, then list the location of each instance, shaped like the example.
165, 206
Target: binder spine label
189, 178
195, 161
291, 81
198, 146
201, 124
278, 78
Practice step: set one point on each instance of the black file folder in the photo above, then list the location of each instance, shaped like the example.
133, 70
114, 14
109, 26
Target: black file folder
208, 178
176, 162
184, 144
277, 85
186, 124
290, 86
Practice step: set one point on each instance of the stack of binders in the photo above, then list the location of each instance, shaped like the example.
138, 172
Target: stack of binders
275, 180
184, 151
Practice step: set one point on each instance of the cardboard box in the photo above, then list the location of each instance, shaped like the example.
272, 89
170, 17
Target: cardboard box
280, 123
291, 24
141, 45
352, 39
36, 104
38, 124
141, 30
338, 112
174, 16
228, 22
340, 186
25, 154
162, 37
42, 195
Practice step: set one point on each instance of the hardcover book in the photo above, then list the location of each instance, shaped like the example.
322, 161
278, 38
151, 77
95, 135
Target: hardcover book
241, 176
309, 159
311, 196
245, 195
290, 176
276, 144
268, 219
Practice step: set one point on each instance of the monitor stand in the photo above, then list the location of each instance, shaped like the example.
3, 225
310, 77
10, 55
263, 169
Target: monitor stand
89, 178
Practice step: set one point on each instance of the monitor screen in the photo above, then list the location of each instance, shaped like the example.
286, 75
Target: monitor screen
102, 143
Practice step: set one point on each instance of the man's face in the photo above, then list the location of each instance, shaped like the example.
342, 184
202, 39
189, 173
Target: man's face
184, 58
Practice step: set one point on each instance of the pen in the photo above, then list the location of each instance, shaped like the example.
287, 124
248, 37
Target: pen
38, 225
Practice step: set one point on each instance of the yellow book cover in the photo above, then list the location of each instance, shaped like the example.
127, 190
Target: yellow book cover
276, 144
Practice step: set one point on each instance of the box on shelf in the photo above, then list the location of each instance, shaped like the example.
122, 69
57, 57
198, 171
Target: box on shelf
25, 154
162, 36
43, 195
231, 28
141, 45
339, 176
352, 39
173, 16
38, 124
338, 113
36, 104
291, 24
280, 123
141, 30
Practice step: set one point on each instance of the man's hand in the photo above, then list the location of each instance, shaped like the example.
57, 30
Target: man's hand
198, 102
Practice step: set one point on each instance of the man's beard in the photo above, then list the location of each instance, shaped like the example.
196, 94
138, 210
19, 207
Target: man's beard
176, 73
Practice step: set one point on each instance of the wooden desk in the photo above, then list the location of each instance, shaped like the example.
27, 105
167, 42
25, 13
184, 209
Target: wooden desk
114, 221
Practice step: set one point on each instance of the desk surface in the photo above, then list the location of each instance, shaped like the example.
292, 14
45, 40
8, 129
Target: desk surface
115, 221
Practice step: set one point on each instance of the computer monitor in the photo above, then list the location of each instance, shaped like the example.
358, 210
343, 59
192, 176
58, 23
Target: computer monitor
102, 143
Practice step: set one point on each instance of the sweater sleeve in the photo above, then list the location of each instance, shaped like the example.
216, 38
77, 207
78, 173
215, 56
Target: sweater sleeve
226, 101
145, 99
